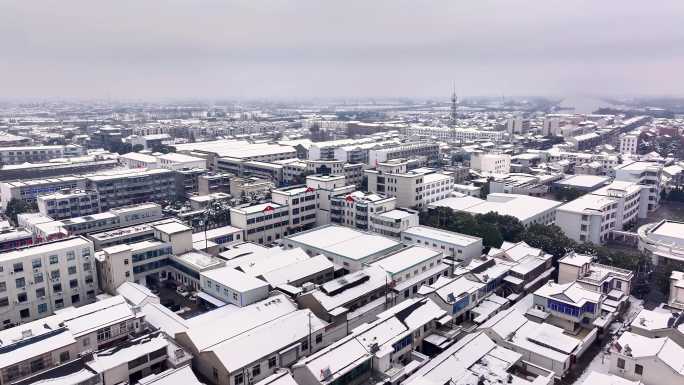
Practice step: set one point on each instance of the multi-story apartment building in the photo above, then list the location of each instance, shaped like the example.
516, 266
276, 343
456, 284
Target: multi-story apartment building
358, 208
605, 162
425, 150
415, 188
457, 134
116, 217
629, 143
302, 203
263, 223
37, 154
213, 182
173, 161
649, 176
37, 280
68, 203
628, 197
146, 261
392, 223
491, 163
593, 217
28, 190
589, 218
250, 168
127, 187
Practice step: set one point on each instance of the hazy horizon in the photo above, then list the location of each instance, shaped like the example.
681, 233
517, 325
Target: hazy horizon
279, 50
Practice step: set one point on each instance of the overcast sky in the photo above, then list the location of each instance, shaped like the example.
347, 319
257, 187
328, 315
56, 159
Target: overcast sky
325, 48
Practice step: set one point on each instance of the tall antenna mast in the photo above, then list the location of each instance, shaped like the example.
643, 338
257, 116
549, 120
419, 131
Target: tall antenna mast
454, 106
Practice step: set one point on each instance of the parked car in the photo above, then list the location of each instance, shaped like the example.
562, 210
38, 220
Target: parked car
182, 291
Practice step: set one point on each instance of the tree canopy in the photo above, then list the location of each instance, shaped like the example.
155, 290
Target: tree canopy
494, 228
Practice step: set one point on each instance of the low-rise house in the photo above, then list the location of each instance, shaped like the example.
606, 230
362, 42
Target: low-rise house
540, 344
455, 295
478, 359
385, 350
254, 341
350, 300
659, 323
571, 306
595, 276
653, 361
233, 286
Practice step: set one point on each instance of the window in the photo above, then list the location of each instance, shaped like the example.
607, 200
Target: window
54, 274
72, 270
57, 288
86, 341
59, 303
54, 259
239, 379
75, 298
38, 278
18, 267
20, 282
104, 334
73, 283
24, 313
4, 302
36, 263
319, 338
638, 369
21, 298
215, 373
305, 344
70, 255
256, 370
37, 365
42, 307
272, 362
3, 287
621, 363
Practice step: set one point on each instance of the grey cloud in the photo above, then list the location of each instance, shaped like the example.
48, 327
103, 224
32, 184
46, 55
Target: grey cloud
302, 48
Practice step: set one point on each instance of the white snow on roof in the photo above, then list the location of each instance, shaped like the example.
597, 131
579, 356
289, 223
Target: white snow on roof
234, 279
298, 270
442, 235
345, 242
406, 258
135, 294
89, 318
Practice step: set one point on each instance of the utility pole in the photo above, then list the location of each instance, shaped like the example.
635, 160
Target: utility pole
309, 330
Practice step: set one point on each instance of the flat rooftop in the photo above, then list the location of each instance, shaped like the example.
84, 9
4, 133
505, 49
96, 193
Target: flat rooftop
406, 258
345, 242
442, 235
584, 181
